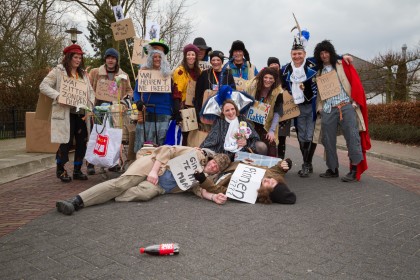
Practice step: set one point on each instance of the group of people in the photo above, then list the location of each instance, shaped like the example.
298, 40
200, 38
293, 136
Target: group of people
222, 94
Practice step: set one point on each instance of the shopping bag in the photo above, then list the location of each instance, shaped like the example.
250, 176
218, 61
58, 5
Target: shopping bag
104, 144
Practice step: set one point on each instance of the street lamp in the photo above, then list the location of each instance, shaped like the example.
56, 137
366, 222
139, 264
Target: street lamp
404, 50
73, 34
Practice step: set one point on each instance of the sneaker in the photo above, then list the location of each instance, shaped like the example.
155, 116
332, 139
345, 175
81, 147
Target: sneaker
329, 174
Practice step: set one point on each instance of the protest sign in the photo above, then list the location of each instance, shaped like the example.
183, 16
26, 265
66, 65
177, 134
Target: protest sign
204, 65
106, 90
123, 29
190, 95
240, 84
118, 12
258, 112
256, 159
183, 168
290, 109
72, 92
139, 56
328, 85
153, 81
152, 30
245, 182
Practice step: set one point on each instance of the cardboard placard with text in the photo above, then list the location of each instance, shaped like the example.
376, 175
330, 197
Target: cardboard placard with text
106, 90
258, 112
123, 29
190, 93
183, 168
189, 119
139, 56
328, 85
204, 65
153, 81
73, 92
290, 109
245, 182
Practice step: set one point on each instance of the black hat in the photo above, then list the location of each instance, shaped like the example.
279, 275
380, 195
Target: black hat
272, 60
201, 43
219, 54
238, 45
282, 194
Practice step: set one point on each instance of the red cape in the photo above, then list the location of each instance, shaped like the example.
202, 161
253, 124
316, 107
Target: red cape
358, 95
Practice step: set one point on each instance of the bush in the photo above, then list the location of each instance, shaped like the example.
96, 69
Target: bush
399, 133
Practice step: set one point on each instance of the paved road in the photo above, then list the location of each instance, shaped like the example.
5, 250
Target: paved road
365, 230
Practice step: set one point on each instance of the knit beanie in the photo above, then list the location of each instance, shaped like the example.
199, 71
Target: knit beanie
272, 60
111, 52
282, 194
191, 47
222, 161
219, 54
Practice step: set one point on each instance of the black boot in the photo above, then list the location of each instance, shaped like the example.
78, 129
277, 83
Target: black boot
304, 172
311, 152
329, 174
67, 207
62, 173
351, 176
91, 169
78, 174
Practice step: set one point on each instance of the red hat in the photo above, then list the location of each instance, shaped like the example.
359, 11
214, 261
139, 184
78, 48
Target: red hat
73, 49
191, 47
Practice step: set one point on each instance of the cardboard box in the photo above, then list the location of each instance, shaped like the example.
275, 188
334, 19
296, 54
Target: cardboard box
38, 135
189, 120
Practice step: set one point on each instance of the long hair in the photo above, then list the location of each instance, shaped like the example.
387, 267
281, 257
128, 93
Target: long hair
229, 101
165, 68
67, 64
328, 47
260, 80
196, 69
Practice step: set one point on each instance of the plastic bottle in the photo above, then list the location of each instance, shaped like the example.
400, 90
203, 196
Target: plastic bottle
161, 249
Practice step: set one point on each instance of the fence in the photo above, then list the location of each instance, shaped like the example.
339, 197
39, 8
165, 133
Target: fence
12, 122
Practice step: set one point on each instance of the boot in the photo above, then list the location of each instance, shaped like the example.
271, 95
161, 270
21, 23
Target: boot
67, 207
91, 169
311, 152
304, 172
78, 174
329, 174
62, 173
351, 176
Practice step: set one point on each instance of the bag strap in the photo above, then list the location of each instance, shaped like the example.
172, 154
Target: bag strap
104, 123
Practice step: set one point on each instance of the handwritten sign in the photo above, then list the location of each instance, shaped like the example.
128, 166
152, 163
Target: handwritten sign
245, 182
204, 65
73, 92
123, 29
258, 112
256, 159
290, 109
106, 90
139, 56
153, 81
328, 85
190, 95
240, 84
183, 168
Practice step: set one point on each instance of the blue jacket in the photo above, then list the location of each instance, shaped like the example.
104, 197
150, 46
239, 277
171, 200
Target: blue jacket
241, 72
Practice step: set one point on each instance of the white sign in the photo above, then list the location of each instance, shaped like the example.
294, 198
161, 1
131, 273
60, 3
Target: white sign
258, 112
152, 30
245, 182
183, 168
118, 12
256, 159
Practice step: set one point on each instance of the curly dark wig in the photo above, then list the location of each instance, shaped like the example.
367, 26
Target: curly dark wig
328, 47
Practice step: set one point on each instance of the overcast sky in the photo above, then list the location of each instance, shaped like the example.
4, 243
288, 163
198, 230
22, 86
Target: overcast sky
363, 28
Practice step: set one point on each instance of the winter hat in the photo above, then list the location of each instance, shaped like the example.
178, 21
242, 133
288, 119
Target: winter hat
161, 43
73, 49
238, 45
219, 54
201, 43
191, 47
272, 60
111, 52
282, 194
222, 161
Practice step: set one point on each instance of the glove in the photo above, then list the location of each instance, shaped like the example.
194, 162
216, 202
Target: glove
200, 176
289, 162
139, 105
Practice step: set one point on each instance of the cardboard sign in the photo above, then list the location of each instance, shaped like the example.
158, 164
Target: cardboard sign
139, 56
189, 120
152, 30
118, 12
106, 90
123, 29
43, 107
204, 65
190, 93
328, 85
153, 81
38, 135
256, 159
183, 168
240, 84
258, 112
207, 94
290, 109
73, 92
245, 182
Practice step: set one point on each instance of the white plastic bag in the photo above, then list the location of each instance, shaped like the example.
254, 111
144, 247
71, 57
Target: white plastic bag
103, 149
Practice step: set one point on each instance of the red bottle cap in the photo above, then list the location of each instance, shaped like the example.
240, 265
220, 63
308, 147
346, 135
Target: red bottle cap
141, 250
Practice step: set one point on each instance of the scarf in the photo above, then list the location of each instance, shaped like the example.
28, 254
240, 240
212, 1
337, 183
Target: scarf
230, 144
297, 77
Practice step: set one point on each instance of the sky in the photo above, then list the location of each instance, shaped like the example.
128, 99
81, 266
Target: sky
363, 28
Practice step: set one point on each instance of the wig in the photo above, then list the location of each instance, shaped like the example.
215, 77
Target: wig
328, 47
260, 80
165, 68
